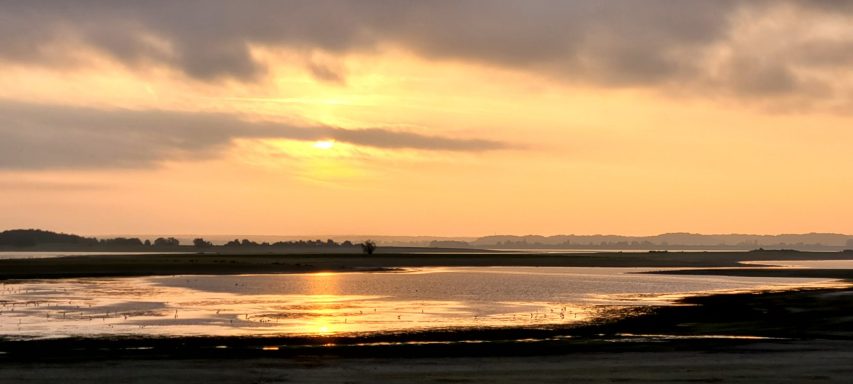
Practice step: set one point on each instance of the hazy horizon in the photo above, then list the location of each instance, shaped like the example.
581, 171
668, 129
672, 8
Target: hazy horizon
311, 235
305, 236
596, 240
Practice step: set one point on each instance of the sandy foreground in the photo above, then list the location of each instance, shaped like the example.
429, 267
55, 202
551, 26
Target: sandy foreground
816, 361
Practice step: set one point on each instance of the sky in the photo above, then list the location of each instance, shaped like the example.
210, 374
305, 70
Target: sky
447, 118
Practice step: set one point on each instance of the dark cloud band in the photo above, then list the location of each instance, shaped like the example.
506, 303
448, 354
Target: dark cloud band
611, 43
34, 136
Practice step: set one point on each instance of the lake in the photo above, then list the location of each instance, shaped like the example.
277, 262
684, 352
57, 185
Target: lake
809, 264
335, 303
10, 255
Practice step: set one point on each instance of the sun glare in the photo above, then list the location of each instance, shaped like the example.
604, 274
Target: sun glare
324, 144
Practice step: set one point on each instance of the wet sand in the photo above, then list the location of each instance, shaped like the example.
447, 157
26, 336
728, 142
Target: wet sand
753, 362
209, 264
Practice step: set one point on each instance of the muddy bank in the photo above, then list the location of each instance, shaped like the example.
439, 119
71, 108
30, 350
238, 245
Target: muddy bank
754, 362
207, 264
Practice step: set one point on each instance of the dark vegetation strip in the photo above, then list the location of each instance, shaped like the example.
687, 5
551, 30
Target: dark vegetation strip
173, 264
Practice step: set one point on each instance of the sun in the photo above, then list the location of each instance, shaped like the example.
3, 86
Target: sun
324, 144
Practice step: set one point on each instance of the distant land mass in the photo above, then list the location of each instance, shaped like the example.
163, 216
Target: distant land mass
41, 240
671, 241
35, 239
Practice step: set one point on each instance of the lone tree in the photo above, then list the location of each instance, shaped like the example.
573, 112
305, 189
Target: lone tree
368, 247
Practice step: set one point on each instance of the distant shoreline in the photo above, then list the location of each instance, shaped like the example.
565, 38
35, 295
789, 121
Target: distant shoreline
42, 240
211, 264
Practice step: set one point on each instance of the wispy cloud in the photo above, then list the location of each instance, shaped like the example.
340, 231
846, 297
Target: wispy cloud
36, 136
23, 184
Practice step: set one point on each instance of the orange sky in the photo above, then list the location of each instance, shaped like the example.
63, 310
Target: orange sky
405, 131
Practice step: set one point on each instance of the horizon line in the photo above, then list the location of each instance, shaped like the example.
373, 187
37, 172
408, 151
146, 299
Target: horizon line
432, 236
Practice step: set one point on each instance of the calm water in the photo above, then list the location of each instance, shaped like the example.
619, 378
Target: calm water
52, 255
808, 264
332, 303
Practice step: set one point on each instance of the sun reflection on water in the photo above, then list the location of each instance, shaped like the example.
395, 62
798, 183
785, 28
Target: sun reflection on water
324, 287
326, 304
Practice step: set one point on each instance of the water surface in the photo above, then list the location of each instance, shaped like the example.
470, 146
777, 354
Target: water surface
808, 264
9, 255
334, 303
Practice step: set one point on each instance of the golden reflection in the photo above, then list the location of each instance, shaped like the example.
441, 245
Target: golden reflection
322, 326
321, 274
323, 284
324, 288
324, 305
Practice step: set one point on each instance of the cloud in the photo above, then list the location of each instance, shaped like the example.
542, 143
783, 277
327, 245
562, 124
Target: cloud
212, 38
324, 72
609, 43
34, 136
24, 185
394, 139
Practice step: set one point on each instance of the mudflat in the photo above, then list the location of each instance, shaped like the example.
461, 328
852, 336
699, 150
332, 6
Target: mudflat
209, 264
755, 362
790, 336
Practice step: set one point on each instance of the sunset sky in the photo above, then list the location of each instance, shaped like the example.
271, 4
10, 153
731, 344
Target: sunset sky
459, 118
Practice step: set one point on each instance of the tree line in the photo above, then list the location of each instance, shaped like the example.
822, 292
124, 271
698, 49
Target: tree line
22, 238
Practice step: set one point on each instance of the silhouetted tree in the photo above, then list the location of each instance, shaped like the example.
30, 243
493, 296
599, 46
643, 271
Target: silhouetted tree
32, 237
166, 242
368, 247
122, 242
201, 243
